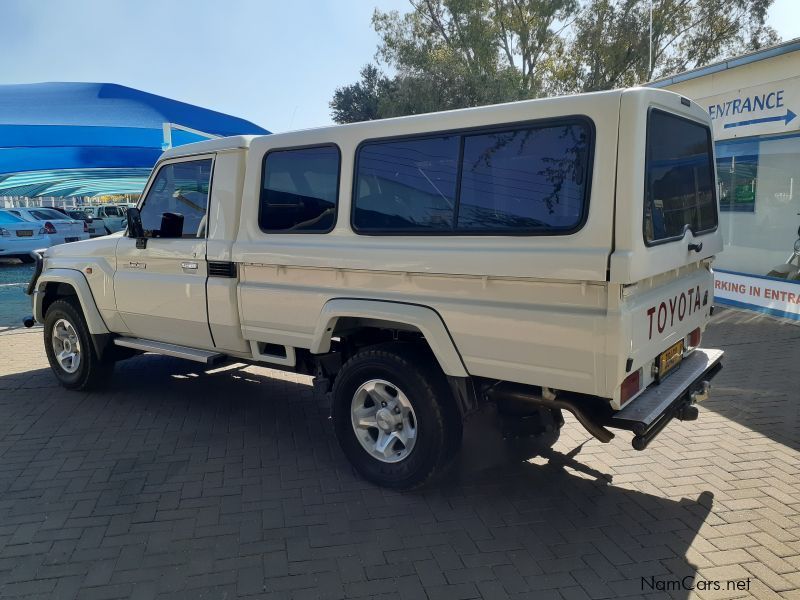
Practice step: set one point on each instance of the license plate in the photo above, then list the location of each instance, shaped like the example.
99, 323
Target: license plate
71, 239
670, 359
24, 233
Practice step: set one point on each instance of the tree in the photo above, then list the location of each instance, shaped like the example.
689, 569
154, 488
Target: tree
610, 47
360, 101
457, 53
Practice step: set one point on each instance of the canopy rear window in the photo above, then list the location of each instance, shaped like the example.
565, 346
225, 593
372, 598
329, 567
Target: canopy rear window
679, 179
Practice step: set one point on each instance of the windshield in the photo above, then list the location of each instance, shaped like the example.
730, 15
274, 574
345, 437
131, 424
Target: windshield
679, 178
8, 218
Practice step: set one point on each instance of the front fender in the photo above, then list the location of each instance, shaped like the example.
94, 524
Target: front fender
77, 281
425, 319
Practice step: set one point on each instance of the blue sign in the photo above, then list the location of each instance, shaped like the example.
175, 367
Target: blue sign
785, 118
749, 106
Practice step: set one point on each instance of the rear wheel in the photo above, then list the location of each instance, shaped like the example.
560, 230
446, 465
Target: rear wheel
395, 417
69, 348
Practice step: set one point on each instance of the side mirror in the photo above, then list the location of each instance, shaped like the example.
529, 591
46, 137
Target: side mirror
135, 229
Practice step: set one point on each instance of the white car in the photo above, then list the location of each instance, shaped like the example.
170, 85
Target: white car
502, 264
20, 238
57, 227
107, 218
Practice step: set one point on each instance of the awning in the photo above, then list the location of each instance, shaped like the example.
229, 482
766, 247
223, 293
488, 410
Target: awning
86, 139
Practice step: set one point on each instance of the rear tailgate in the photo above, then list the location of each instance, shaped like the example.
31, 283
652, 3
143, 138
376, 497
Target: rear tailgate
69, 229
666, 234
24, 230
672, 176
664, 313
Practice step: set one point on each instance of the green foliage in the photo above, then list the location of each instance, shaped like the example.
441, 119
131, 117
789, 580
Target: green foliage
457, 53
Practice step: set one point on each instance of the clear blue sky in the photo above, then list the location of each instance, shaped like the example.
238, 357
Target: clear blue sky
275, 62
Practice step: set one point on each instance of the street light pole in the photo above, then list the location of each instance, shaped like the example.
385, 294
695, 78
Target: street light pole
650, 69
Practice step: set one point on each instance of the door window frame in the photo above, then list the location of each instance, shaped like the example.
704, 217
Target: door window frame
171, 161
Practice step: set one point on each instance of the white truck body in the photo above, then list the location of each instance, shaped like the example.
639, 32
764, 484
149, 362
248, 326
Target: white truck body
567, 313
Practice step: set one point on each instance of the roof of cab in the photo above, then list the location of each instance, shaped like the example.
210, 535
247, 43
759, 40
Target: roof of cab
214, 145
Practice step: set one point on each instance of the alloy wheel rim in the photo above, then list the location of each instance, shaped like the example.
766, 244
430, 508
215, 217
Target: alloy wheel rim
384, 421
66, 346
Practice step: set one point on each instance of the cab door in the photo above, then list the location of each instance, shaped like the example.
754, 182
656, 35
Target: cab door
160, 281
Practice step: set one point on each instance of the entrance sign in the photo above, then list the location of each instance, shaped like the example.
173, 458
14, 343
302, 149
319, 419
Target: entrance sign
760, 110
770, 295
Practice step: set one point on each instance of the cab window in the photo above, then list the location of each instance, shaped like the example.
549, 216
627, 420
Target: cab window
176, 204
299, 189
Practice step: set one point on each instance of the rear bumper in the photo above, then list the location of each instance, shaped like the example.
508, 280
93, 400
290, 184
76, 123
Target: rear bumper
651, 411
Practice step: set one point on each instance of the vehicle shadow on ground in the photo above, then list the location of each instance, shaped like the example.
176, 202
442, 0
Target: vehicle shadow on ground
756, 343
234, 463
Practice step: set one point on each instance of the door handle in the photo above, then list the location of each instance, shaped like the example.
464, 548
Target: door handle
189, 266
696, 247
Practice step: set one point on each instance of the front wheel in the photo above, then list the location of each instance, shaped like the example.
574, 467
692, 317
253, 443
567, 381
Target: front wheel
69, 348
395, 417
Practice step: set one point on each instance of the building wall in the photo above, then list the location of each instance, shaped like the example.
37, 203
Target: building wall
753, 107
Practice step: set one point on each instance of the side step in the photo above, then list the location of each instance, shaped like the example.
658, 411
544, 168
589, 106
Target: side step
207, 357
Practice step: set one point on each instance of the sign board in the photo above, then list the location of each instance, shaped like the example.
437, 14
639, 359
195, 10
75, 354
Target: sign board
770, 295
760, 110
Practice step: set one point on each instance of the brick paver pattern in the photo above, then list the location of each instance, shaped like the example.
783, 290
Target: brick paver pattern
177, 483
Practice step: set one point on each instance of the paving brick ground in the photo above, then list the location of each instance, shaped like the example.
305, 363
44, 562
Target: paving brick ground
179, 484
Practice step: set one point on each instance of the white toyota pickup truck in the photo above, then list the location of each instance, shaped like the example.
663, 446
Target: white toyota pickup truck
532, 257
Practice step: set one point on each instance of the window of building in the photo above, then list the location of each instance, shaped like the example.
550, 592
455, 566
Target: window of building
179, 191
680, 186
756, 179
530, 180
299, 190
737, 175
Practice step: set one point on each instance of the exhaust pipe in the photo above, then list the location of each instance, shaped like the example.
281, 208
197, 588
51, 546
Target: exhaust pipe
522, 393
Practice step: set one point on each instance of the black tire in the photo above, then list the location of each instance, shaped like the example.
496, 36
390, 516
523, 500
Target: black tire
91, 371
413, 370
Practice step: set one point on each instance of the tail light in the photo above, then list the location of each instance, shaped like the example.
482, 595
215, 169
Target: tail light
85, 227
630, 386
48, 228
694, 338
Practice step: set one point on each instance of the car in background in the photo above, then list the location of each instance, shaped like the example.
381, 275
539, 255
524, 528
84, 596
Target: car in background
112, 217
94, 227
57, 227
20, 238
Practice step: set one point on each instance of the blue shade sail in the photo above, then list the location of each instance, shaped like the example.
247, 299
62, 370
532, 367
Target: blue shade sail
50, 127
